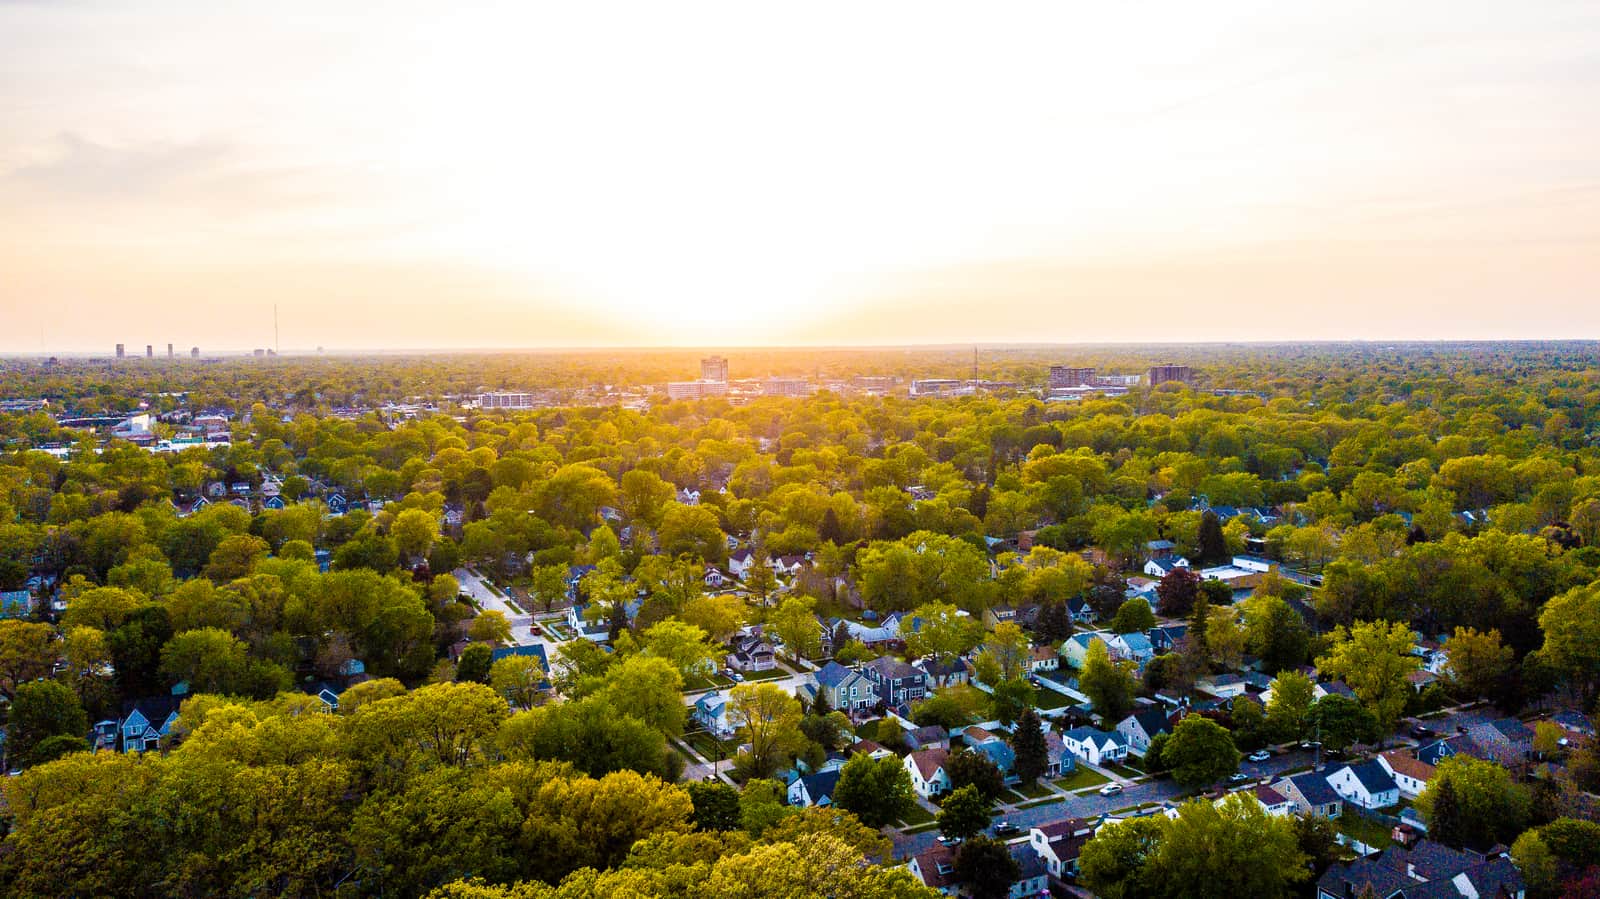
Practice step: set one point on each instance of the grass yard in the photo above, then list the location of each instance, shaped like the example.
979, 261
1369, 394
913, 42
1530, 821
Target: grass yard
1012, 797
1126, 770
917, 817
1373, 833
1081, 777
1049, 700
702, 682
1038, 802
707, 745
1034, 790
921, 828
774, 674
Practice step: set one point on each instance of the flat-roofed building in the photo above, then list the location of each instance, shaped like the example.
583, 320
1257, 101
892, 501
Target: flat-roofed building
506, 401
713, 368
1068, 376
1161, 374
696, 390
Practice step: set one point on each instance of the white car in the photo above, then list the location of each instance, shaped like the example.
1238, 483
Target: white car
1260, 755
1110, 789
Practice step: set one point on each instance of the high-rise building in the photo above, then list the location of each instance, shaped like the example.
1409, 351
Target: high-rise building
1068, 376
506, 401
149, 351
194, 352
1161, 374
170, 353
713, 368
120, 351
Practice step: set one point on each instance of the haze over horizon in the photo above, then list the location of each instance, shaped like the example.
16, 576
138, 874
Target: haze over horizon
721, 175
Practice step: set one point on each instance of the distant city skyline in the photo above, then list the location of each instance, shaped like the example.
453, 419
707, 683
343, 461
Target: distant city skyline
725, 175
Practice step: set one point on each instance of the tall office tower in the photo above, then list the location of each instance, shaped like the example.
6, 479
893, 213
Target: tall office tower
1161, 374
170, 353
120, 351
194, 352
1067, 376
713, 368
149, 351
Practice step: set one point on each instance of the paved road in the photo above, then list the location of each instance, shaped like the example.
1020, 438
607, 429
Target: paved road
790, 683
475, 586
1091, 804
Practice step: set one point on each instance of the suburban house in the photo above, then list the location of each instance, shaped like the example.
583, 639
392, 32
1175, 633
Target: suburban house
1506, 740
1139, 728
897, 683
1169, 638
1045, 658
814, 789
1095, 746
1222, 686
751, 652
1058, 760
992, 747
711, 712
1076, 648
715, 579
995, 616
1273, 801
598, 630
1311, 794
945, 674
145, 721
931, 736
16, 604
1164, 565
845, 689
1080, 610
928, 777
1135, 647
1367, 784
1427, 869
935, 868
740, 561
1410, 774
1059, 844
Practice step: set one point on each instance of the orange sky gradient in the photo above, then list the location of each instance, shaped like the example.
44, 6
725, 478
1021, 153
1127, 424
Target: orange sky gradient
397, 175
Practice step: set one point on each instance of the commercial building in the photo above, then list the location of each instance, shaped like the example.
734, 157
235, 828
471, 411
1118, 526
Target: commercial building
940, 387
149, 351
713, 368
1068, 376
696, 390
506, 401
120, 351
1161, 374
785, 387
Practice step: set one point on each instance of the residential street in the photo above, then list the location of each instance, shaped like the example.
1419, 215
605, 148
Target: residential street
475, 586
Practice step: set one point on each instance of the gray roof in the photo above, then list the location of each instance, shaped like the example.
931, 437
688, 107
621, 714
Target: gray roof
1373, 776
1315, 788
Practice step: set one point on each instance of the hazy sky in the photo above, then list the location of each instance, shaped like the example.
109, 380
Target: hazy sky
580, 174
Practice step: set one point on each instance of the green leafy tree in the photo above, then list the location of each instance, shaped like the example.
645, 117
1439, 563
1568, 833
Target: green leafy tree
1212, 545
41, 710
974, 769
1571, 626
795, 624
1108, 683
1375, 659
986, 867
770, 720
1492, 807
1478, 662
1292, 695
475, 664
1199, 752
964, 814
1027, 740
716, 805
1133, 617
878, 791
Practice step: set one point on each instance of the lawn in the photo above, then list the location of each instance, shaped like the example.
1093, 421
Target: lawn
922, 828
917, 817
1034, 790
1081, 777
707, 745
1048, 699
1038, 802
1126, 770
774, 674
702, 682
1373, 833
1012, 796
559, 631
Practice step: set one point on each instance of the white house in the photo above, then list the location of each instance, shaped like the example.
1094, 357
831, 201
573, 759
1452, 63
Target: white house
1059, 843
1095, 746
1076, 649
1367, 784
1164, 565
1410, 774
711, 712
740, 562
928, 777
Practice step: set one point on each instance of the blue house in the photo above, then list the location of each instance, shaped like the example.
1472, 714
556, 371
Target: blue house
814, 789
146, 721
16, 604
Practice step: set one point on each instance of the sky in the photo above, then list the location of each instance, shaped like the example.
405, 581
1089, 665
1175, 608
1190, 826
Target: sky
396, 175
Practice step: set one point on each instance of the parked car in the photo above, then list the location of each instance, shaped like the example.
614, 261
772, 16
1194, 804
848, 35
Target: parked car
1238, 777
737, 677
1260, 755
950, 841
1005, 827
1421, 733
1309, 744
1111, 789
535, 630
